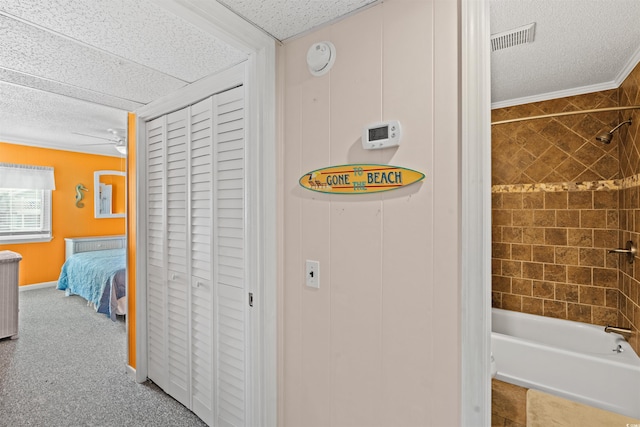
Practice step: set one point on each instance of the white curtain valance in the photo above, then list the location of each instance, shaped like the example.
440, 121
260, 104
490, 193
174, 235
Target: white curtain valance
26, 177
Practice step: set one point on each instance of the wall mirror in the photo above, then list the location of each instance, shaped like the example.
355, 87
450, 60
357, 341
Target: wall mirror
109, 194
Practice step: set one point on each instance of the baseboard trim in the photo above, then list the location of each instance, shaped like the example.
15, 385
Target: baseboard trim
38, 286
131, 372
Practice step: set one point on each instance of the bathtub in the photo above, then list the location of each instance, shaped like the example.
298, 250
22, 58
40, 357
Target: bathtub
574, 360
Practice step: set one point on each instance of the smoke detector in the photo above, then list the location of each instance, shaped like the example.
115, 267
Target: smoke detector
514, 37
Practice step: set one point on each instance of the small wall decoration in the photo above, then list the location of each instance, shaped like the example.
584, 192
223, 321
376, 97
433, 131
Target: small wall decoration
359, 179
79, 195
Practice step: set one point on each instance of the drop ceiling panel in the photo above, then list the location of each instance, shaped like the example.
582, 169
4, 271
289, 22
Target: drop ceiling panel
52, 119
36, 52
286, 18
67, 90
138, 31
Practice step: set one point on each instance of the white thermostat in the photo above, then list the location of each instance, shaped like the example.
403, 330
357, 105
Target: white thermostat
381, 135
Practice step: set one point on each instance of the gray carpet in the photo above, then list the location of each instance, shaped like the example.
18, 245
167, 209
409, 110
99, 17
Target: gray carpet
67, 368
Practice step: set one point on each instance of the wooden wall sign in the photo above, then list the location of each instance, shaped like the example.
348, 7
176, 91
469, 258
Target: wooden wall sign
359, 179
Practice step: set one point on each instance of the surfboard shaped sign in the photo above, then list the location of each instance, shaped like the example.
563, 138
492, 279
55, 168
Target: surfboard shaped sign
359, 179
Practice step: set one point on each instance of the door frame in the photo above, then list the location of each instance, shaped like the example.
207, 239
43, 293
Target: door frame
475, 192
258, 74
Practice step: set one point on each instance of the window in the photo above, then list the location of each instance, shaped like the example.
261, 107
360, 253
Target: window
25, 203
25, 215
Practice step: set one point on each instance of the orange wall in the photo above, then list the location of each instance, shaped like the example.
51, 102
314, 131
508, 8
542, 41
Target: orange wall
41, 262
131, 235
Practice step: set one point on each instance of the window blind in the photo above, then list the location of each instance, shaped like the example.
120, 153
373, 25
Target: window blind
25, 213
26, 177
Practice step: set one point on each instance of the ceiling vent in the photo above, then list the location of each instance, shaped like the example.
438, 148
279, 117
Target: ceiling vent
520, 35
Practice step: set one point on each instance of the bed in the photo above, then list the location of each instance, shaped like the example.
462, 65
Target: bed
95, 269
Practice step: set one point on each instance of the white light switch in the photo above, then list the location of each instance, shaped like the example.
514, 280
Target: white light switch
313, 274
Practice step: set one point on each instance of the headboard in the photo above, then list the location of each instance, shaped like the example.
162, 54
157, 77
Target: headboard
74, 245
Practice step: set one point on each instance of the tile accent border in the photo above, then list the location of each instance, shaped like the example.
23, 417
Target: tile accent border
556, 187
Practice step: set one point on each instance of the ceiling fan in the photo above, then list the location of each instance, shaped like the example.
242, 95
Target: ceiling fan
117, 138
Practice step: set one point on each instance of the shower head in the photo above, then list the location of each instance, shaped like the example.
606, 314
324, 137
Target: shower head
606, 137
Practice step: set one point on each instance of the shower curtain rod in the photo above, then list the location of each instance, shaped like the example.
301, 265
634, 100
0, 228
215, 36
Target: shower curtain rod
566, 113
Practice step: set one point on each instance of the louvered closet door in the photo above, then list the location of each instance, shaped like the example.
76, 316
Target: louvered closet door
155, 228
201, 195
229, 250
178, 350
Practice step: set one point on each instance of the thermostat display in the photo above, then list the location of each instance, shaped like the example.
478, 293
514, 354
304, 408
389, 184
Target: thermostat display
381, 135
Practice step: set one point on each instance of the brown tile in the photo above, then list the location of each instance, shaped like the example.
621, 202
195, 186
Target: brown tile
555, 236
555, 273
543, 253
496, 200
501, 217
533, 200
543, 289
556, 200
567, 218
579, 312
501, 284
579, 275
523, 218
612, 219
512, 201
605, 277
496, 266
592, 257
509, 401
592, 295
607, 239
512, 234
607, 167
512, 302
544, 218
496, 234
607, 199
611, 297
501, 250
521, 286
533, 235
521, 252
580, 237
566, 255
581, 200
496, 299
532, 270
512, 268
566, 292
588, 154
532, 305
613, 260
570, 169
595, 218
557, 309
605, 316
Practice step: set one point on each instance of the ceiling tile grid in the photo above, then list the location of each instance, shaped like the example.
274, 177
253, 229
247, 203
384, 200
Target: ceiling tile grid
28, 81
36, 52
138, 31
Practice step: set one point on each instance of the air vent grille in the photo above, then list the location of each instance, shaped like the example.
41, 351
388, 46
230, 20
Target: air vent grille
515, 37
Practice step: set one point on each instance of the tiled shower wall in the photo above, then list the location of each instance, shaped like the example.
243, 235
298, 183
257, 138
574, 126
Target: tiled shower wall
629, 280
561, 199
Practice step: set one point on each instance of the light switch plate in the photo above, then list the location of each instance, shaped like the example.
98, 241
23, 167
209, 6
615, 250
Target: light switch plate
312, 271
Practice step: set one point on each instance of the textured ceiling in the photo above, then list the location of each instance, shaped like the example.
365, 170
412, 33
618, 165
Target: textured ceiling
287, 18
73, 67
580, 46
70, 67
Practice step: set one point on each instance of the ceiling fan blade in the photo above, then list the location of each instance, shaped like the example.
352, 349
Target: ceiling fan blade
93, 136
